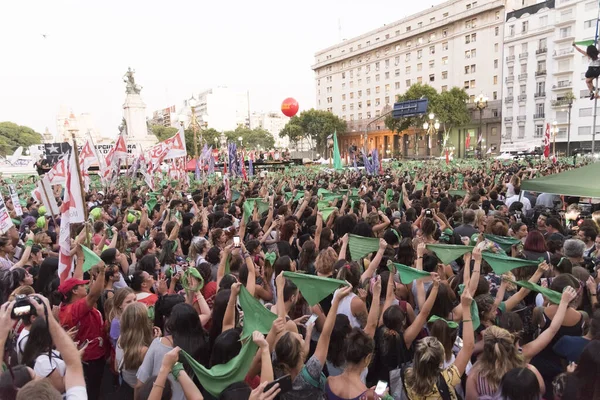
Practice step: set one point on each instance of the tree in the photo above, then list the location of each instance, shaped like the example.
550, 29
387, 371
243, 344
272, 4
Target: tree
415, 92
314, 124
162, 132
251, 138
451, 109
13, 136
208, 137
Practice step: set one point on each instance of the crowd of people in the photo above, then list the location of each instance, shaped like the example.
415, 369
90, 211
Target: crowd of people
315, 284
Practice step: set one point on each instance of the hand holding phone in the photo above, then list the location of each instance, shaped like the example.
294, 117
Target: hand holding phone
381, 388
236, 241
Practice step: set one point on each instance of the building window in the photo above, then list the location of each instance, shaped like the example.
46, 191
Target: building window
523, 89
397, 60
419, 54
408, 28
351, 84
445, 15
359, 82
407, 58
432, 36
543, 21
509, 91
377, 78
407, 83
419, 67
473, 84
420, 40
431, 77
497, 14
407, 69
445, 46
377, 89
495, 79
497, 31
445, 33
343, 107
359, 94
444, 88
387, 75
495, 95
431, 63
539, 131
397, 33
368, 80
377, 66
387, 88
419, 24
521, 132
585, 112
387, 64
540, 87
397, 85
343, 97
359, 105
368, 94
431, 49
368, 103
511, 30
466, 85
496, 47
524, 26
431, 20
444, 60
377, 102
539, 108
420, 79
408, 43
351, 95
589, 23
444, 74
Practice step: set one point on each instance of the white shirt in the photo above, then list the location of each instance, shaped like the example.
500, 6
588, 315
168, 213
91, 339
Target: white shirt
45, 365
523, 199
345, 307
21, 342
76, 393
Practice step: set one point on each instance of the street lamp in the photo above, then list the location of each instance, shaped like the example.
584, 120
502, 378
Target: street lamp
570, 104
241, 139
554, 131
431, 127
481, 103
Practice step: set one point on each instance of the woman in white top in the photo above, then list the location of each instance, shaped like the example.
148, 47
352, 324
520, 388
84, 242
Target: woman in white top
352, 306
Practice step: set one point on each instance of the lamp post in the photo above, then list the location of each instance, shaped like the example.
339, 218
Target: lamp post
570, 104
554, 131
431, 127
480, 104
241, 139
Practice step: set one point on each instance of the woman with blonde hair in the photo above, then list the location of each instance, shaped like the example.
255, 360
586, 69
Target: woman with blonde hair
136, 337
121, 299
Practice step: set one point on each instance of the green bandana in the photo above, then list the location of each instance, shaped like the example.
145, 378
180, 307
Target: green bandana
322, 191
326, 211
271, 257
360, 246
90, 258
235, 195
501, 263
256, 316
389, 195
451, 324
449, 252
550, 294
460, 193
185, 279
314, 288
505, 242
323, 204
216, 379
419, 185
408, 274
474, 308
249, 206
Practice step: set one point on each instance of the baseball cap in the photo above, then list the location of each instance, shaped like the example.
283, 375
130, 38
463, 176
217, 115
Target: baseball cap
69, 284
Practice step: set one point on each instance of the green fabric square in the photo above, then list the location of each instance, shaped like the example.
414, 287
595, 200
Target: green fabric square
360, 246
314, 288
449, 252
256, 316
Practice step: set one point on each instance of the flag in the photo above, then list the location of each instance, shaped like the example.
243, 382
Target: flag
197, 173
337, 159
408, 274
176, 145
547, 141
360, 246
86, 157
447, 157
502, 263
112, 162
468, 141
57, 175
226, 184
250, 164
256, 315
39, 194
211, 165
71, 212
243, 167
449, 252
366, 162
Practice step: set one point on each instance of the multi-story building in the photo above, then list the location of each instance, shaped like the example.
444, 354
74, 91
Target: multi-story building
272, 122
222, 108
544, 75
457, 43
164, 117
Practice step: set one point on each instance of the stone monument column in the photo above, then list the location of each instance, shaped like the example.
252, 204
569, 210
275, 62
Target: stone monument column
134, 112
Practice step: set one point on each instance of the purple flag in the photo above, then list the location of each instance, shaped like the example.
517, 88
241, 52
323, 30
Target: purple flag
250, 167
198, 174
366, 162
375, 166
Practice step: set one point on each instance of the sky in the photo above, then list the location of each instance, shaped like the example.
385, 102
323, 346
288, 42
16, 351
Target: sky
176, 47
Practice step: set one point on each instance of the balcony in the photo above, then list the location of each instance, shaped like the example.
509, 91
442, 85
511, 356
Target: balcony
539, 116
541, 51
521, 119
565, 20
508, 99
539, 94
540, 72
510, 58
522, 76
564, 36
510, 78
566, 84
523, 56
522, 97
560, 103
563, 53
508, 119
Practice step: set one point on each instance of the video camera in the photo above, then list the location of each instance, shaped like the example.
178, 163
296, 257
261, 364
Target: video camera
23, 306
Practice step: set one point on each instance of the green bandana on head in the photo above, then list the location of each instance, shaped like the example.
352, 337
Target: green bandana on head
89, 258
408, 274
256, 316
505, 242
474, 308
216, 379
449, 252
314, 288
360, 246
550, 294
271, 257
451, 324
501, 263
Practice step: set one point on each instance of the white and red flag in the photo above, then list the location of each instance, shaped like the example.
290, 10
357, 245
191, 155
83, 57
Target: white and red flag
56, 175
71, 212
547, 141
87, 156
176, 145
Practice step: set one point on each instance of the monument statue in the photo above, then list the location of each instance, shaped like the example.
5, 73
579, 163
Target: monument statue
131, 87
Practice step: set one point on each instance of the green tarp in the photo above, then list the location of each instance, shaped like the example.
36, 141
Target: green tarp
581, 181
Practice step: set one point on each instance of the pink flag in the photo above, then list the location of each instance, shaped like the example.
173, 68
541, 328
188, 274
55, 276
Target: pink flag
71, 212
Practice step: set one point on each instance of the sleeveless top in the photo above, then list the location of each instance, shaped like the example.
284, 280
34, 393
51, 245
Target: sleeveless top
345, 307
332, 396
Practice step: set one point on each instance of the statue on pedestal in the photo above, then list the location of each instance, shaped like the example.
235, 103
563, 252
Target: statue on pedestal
131, 87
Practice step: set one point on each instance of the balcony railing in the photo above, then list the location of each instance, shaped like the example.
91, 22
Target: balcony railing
508, 99
541, 51
562, 85
523, 55
522, 97
510, 58
510, 78
522, 118
560, 103
540, 72
539, 116
539, 94
508, 119
563, 52
522, 76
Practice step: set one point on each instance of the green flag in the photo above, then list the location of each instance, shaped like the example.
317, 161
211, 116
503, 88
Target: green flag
322, 204
449, 252
326, 211
389, 195
408, 274
474, 308
360, 246
337, 159
505, 242
256, 316
249, 206
89, 258
501, 263
585, 43
216, 379
314, 288
550, 294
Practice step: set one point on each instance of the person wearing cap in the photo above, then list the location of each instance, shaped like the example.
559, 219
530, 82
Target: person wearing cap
78, 309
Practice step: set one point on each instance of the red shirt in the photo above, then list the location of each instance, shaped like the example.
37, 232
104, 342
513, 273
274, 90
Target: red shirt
149, 299
209, 291
90, 327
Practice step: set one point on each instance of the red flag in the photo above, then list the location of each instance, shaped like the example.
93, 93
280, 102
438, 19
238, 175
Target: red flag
547, 141
467, 142
244, 175
447, 157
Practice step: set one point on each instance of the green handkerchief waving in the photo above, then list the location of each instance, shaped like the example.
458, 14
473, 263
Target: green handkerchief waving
249, 206
89, 258
505, 242
449, 252
550, 294
256, 316
474, 309
501, 263
326, 211
314, 288
216, 379
408, 274
360, 246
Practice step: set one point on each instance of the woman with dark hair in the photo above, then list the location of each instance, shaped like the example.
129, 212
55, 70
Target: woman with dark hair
150, 264
363, 229
520, 383
535, 247
11, 381
308, 256
286, 245
582, 381
218, 312
184, 331
15, 278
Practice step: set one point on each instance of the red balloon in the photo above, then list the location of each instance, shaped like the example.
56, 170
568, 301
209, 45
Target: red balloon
289, 107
